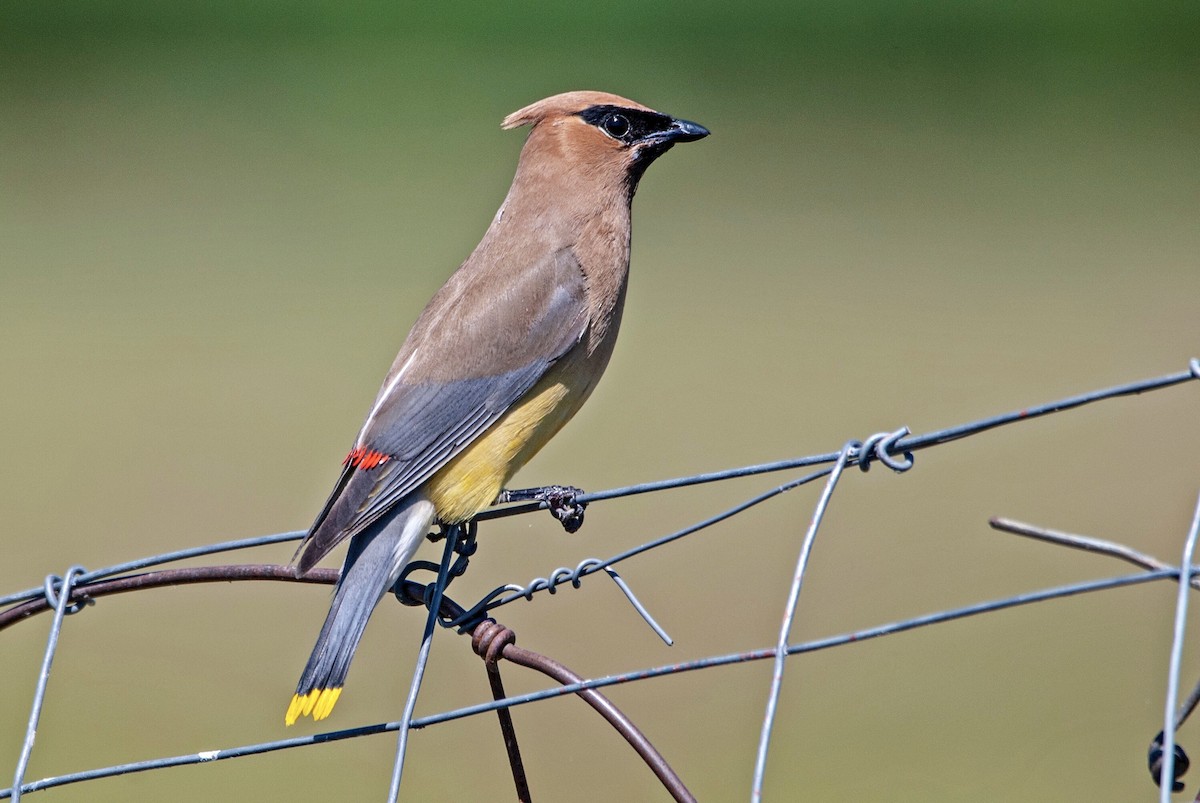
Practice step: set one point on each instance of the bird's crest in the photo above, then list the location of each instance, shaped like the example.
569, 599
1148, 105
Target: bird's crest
563, 105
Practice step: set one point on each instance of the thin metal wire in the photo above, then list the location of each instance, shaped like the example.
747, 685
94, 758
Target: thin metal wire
789, 615
907, 444
550, 584
410, 705
170, 577
894, 447
1085, 543
57, 591
815, 645
638, 606
491, 641
166, 557
615, 717
1167, 773
889, 446
594, 565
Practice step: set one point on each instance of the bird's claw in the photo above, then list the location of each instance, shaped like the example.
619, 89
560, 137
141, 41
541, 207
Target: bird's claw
563, 504
561, 501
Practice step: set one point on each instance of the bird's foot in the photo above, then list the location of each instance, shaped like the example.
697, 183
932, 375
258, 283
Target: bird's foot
561, 501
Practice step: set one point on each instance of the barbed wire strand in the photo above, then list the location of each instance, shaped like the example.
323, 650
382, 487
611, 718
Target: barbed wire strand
828, 642
1167, 773
904, 445
58, 592
434, 602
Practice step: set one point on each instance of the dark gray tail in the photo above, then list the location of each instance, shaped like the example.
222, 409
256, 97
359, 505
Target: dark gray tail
376, 558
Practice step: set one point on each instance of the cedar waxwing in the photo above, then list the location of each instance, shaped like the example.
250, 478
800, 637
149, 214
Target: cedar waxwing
501, 358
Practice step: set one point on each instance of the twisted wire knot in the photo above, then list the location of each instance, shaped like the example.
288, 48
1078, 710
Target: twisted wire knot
490, 638
57, 586
881, 446
560, 575
1155, 760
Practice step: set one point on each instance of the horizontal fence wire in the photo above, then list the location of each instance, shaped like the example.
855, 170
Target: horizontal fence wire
892, 449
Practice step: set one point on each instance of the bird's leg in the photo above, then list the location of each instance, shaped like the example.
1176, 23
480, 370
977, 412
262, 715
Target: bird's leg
465, 547
443, 530
561, 501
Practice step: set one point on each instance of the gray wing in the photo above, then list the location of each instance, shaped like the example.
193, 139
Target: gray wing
418, 426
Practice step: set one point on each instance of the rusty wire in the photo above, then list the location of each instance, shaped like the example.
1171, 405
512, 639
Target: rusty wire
82, 587
489, 640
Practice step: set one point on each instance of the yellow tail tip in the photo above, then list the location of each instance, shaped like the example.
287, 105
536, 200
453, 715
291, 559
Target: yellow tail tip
318, 702
326, 702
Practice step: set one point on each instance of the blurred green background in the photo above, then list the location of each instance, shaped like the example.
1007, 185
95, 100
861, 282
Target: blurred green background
217, 221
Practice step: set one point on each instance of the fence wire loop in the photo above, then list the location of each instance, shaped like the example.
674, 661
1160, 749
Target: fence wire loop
1182, 762
882, 447
58, 593
492, 641
557, 577
589, 564
1178, 768
55, 585
472, 616
490, 638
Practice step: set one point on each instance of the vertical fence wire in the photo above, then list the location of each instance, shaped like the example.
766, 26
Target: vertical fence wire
789, 615
1167, 773
58, 591
57, 595
410, 704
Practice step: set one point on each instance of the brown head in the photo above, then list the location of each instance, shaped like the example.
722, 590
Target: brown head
596, 136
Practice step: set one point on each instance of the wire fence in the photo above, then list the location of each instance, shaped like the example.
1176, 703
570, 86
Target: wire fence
77, 588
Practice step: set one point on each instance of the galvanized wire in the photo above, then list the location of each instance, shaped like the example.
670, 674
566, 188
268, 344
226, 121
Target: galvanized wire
711, 662
434, 603
1167, 774
58, 594
893, 451
789, 615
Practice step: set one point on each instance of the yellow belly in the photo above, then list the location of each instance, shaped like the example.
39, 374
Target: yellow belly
472, 480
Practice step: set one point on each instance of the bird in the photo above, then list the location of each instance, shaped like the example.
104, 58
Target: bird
499, 360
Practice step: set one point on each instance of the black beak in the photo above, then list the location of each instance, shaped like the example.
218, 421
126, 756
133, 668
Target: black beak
685, 131
661, 140
656, 143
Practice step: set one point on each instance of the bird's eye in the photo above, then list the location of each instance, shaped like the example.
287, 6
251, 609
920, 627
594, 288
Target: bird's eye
616, 125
